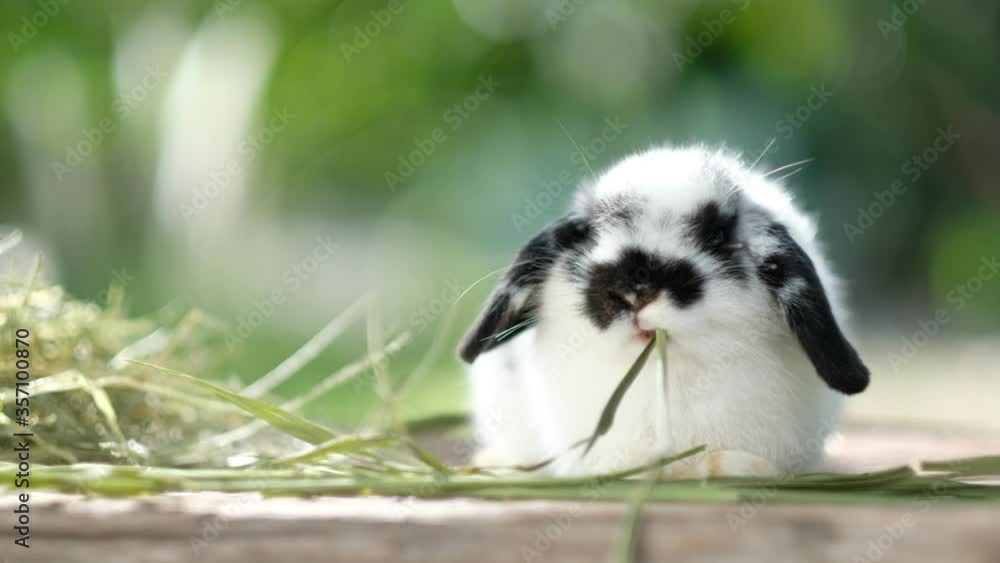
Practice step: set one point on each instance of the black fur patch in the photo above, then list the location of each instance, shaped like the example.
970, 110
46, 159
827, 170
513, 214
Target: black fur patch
788, 264
810, 316
536, 257
501, 320
714, 231
641, 276
778, 270
573, 233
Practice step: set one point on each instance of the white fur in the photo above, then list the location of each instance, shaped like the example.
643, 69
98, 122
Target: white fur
738, 380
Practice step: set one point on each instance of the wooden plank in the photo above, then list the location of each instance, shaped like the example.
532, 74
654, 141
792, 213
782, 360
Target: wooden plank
249, 529
170, 529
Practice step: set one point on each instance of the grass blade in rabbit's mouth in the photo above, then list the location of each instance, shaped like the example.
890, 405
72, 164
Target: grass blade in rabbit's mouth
607, 418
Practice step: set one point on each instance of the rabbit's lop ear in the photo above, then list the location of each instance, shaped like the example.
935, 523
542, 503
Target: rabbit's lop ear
514, 304
791, 277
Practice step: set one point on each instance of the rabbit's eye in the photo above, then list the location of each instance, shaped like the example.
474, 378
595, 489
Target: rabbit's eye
717, 238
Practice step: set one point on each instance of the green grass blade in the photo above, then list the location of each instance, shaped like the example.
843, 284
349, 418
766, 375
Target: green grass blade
442, 423
820, 481
968, 467
11, 240
103, 404
291, 424
662, 462
307, 353
73, 380
126, 382
61, 382
341, 445
626, 546
608, 414
339, 377
36, 270
662, 393
427, 458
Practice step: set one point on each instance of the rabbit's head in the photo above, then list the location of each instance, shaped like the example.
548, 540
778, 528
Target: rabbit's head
690, 241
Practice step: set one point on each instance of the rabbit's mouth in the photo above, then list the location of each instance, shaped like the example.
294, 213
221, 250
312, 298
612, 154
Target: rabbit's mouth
642, 334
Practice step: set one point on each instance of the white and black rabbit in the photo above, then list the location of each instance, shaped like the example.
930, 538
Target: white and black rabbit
693, 242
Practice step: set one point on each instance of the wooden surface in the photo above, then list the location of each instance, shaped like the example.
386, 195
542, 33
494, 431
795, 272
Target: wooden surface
248, 529
370, 530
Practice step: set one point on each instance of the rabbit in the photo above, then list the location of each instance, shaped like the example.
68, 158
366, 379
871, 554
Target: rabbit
692, 241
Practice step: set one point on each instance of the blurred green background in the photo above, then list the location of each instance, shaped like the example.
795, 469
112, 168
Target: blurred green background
207, 155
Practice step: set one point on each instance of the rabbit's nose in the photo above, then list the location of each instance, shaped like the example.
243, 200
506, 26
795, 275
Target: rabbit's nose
637, 300
642, 331
638, 306
642, 297
642, 318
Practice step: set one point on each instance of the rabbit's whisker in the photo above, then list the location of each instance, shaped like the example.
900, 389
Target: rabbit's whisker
787, 166
792, 173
